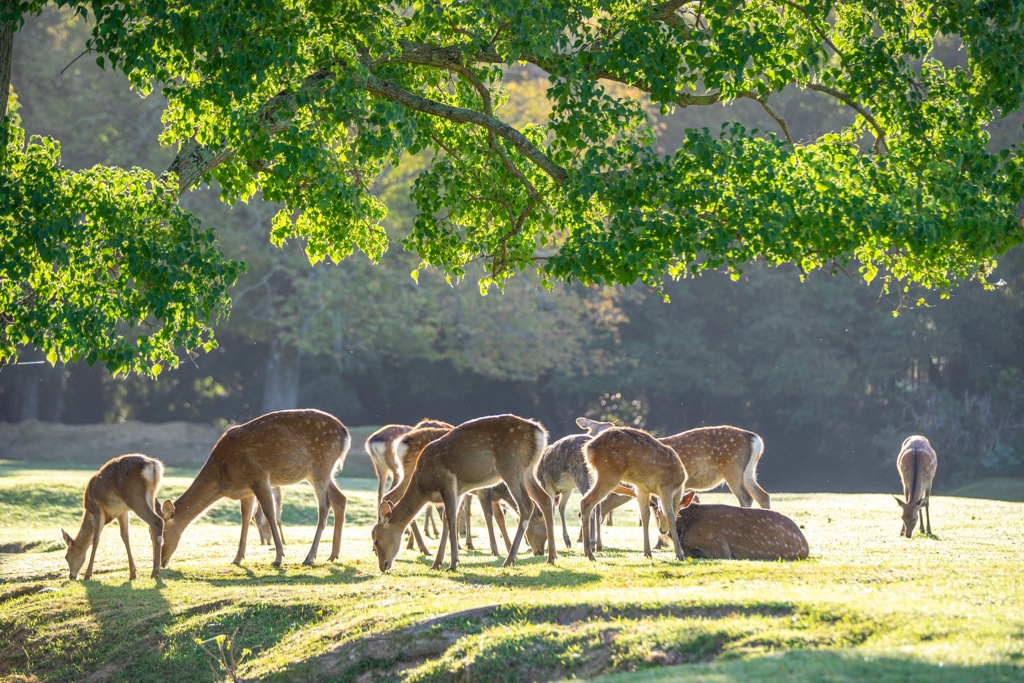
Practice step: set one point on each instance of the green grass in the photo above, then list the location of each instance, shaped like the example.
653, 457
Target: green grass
867, 605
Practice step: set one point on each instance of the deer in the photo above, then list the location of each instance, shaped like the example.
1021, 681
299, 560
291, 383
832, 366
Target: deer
380, 446
561, 469
491, 499
475, 454
624, 454
916, 464
712, 455
727, 532
125, 484
249, 460
262, 521
407, 449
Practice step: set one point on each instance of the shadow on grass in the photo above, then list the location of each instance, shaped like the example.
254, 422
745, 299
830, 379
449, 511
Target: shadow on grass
630, 642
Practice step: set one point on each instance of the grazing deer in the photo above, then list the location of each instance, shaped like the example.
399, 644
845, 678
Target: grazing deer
262, 521
622, 454
380, 446
248, 461
475, 454
712, 455
407, 450
726, 532
124, 484
916, 464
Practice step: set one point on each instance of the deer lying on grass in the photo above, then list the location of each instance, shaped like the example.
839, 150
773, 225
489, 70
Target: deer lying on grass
262, 521
726, 532
475, 454
622, 454
276, 449
916, 464
380, 446
712, 455
125, 484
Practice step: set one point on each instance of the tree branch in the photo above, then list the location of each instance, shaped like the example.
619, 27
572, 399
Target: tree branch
880, 145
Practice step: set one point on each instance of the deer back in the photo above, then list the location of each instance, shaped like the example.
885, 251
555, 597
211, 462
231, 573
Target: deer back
916, 464
379, 445
122, 479
562, 464
729, 532
635, 456
408, 448
481, 451
708, 451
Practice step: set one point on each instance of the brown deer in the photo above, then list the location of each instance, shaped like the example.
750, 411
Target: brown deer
125, 484
262, 521
407, 449
726, 532
380, 446
475, 454
249, 460
916, 464
562, 468
623, 454
712, 455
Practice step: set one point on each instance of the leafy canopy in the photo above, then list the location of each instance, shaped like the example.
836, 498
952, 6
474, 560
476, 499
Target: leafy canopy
310, 102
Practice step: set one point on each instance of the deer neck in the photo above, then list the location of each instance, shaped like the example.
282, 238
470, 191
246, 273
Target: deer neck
195, 500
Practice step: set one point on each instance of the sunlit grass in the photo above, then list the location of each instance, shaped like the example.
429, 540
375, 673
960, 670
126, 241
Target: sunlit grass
868, 604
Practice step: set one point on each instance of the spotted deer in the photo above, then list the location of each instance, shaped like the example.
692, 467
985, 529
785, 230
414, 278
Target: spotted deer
380, 446
712, 455
125, 484
249, 460
407, 449
916, 464
475, 454
623, 454
727, 532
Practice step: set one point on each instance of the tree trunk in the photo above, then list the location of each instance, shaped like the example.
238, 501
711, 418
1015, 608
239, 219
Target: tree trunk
281, 381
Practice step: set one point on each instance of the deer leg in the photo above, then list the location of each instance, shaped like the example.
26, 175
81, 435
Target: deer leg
562, 504
499, 517
338, 503
670, 501
98, 523
452, 502
595, 519
439, 558
465, 515
488, 511
248, 504
927, 510
599, 489
524, 507
414, 533
146, 508
122, 523
265, 496
547, 507
643, 498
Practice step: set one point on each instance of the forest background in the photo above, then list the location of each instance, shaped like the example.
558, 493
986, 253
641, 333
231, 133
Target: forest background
819, 366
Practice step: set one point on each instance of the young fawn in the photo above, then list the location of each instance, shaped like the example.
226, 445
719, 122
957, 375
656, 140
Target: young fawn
475, 454
712, 455
124, 484
622, 454
276, 449
916, 464
726, 532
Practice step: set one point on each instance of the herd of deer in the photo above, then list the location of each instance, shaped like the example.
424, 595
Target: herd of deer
498, 458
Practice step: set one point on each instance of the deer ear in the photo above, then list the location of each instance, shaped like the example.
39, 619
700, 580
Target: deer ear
687, 499
168, 509
385, 510
898, 501
67, 539
582, 422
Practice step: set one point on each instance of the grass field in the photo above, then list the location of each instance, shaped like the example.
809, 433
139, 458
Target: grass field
867, 605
